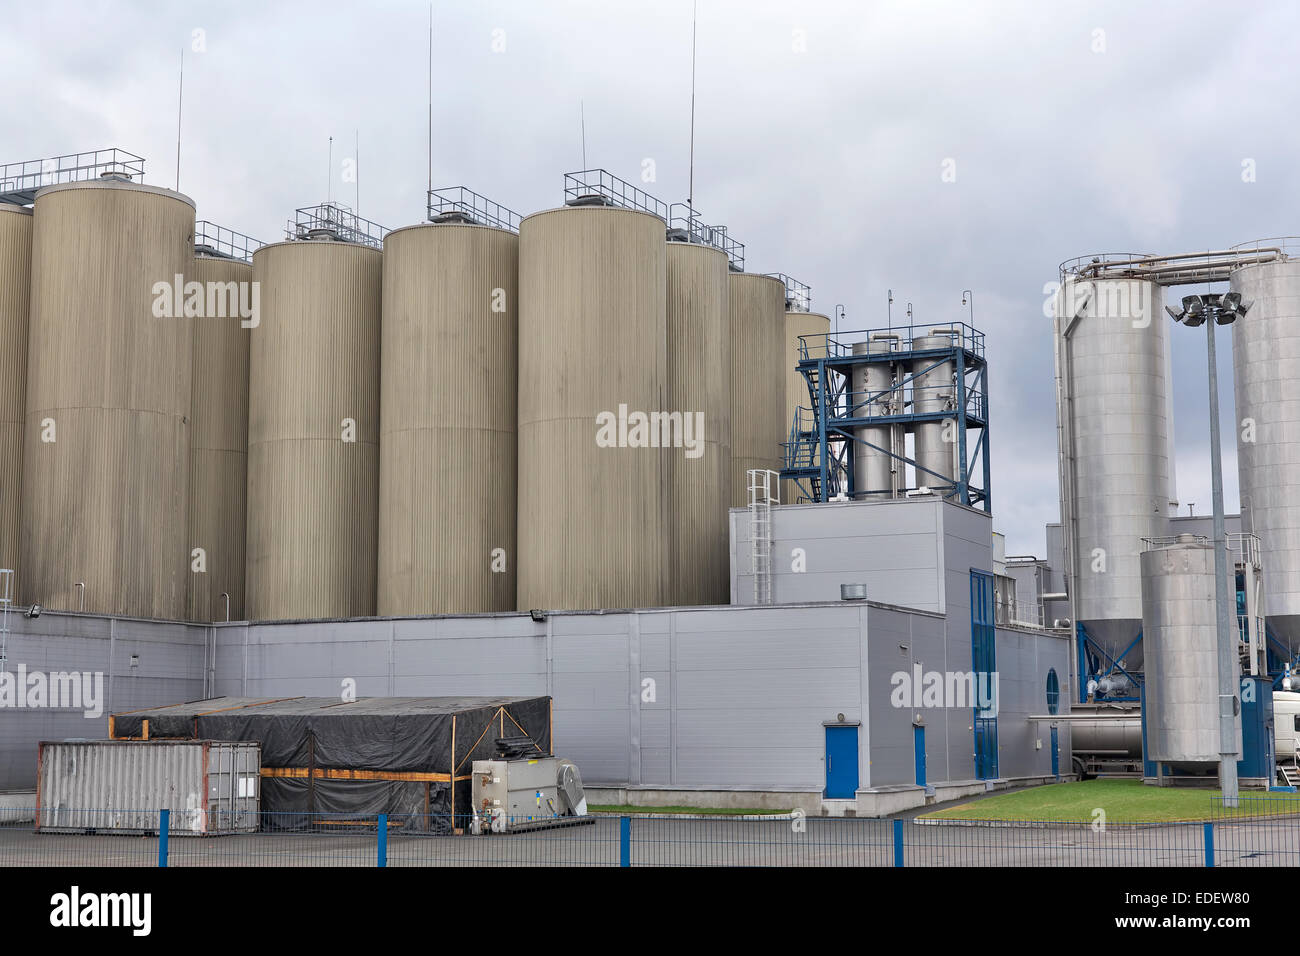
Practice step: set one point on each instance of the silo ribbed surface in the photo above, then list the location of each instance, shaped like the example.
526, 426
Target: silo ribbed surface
313, 498
219, 445
592, 337
1266, 377
15, 307
934, 390
699, 384
758, 381
796, 386
449, 406
105, 503
1116, 365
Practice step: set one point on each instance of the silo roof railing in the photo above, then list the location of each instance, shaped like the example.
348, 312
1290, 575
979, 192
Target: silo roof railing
19, 182
840, 345
685, 224
213, 240
615, 191
798, 296
1186, 268
475, 207
332, 217
1288, 245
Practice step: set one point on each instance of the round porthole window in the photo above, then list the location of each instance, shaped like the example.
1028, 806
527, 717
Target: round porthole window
1053, 691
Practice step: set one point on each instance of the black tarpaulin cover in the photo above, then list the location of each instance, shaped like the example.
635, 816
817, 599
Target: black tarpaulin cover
401, 748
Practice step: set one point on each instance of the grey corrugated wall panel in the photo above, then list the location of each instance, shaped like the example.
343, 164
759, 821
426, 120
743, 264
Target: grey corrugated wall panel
106, 502
592, 336
15, 308
758, 386
448, 409
313, 498
699, 381
219, 450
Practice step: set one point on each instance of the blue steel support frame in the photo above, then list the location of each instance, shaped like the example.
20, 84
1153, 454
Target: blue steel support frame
1084, 641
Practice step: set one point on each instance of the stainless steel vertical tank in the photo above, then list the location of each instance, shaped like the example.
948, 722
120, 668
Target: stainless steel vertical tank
1180, 638
876, 474
313, 432
699, 384
1114, 424
758, 382
1266, 379
592, 360
934, 390
448, 409
107, 437
15, 306
219, 447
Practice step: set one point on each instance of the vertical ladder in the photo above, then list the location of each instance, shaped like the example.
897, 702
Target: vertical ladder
764, 491
6, 599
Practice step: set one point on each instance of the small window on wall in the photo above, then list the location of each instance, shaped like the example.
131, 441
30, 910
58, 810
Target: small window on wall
1297, 721
1053, 691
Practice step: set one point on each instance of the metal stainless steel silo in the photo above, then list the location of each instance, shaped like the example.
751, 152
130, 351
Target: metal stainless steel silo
313, 431
1266, 383
699, 388
448, 412
592, 361
1180, 638
876, 474
758, 381
816, 327
219, 441
934, 390
15, 307
1113, 438
107, 437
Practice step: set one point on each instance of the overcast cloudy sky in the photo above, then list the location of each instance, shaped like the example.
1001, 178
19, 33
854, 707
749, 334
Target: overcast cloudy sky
822, 133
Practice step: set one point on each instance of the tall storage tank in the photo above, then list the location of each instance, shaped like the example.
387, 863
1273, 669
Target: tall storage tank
592, 342
1266, 383
107, 438
699, 385
876, 474
448, 411
219, 442
313, 431
1113, 368
758, 381
1180, 634
934, 390
816, 327
15, 307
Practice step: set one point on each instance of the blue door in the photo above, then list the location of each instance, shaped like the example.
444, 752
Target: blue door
984, 664
841, 762
1056, 755
918, 747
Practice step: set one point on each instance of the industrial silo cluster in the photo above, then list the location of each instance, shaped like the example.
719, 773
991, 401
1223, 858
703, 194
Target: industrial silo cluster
473, 414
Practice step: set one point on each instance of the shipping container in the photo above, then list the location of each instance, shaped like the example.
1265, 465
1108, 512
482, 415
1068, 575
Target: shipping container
211, 787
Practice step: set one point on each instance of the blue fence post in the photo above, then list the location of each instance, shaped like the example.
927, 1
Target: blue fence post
383, 839
1209, 844
898, 843
624, 841
164, 824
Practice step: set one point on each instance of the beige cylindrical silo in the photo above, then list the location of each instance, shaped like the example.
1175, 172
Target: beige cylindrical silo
15, 307
219, 438
699, 389
313, 432
817, 327
592, 368
448, 408
758, 381
107, 437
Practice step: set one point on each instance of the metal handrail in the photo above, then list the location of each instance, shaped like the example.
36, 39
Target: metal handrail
474, 206
618, 192
798, 296
840, 345
334, 217
19, 181
218, 241
684, 223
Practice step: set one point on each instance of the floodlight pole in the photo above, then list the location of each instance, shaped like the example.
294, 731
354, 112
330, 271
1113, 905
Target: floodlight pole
1227, 643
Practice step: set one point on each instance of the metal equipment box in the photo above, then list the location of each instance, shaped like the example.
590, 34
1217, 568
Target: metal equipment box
516, 794
211, 787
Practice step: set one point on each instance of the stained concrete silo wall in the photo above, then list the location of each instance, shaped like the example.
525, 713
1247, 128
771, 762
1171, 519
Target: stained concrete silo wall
313, 432
592, 338
449, 405
758, 382
106, 441
219, 438
15, 308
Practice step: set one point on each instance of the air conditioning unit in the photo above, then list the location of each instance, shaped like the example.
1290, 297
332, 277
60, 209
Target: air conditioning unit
526, 793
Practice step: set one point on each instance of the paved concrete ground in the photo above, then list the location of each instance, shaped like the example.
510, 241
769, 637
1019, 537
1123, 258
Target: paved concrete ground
690, 842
